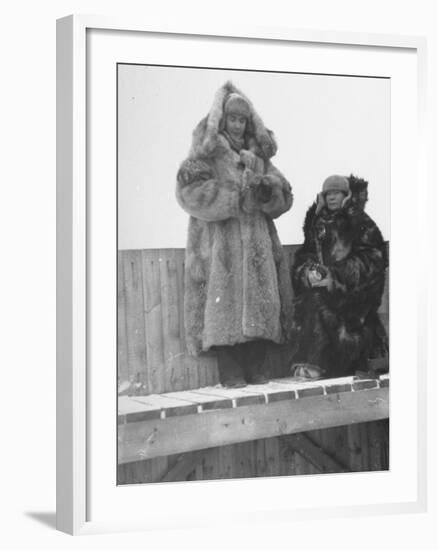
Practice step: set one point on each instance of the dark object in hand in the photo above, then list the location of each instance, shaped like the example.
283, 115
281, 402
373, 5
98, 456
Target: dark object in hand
264, 192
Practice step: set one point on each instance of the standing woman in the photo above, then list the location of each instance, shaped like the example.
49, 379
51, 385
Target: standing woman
237, 283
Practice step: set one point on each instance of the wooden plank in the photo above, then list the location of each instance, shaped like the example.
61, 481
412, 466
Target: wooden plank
210, 464
142, 471
226, 426
136, 341
374, 447
199, 471
335, 441
313, 453
167, 327
173, 368
384, 441
123, 473
301, 465
272, 391
167, 405
354, 448
238, 396
136, 472
298, 384
225, 458
208, 374
190, 363
365, 384
272, 456
153, 324
249, 460
364, 445
130, 410
203, 401
122, 343
322, 438
339, 387
185, 464
244, 460
259, 458
158, 467
287, 458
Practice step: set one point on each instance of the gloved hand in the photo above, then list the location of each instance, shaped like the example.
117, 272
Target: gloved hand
248, 158
264, 190
249, 201
313, 274
319, 277
314, 277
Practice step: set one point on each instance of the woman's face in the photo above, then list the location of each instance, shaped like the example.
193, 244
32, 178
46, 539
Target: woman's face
235, 125
333, 199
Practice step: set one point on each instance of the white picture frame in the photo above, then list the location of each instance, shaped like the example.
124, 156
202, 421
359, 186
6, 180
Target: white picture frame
76, 396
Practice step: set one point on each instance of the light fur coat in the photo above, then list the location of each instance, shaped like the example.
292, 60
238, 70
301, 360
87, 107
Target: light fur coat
237, 282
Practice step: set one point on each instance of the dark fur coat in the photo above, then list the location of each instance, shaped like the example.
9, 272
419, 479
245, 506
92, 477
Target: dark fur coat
237, 281
339, 327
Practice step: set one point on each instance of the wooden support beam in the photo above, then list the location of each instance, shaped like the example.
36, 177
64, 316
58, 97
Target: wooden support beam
185, 464
332, 403
300, 443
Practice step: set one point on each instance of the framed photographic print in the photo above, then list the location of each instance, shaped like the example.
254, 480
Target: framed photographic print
233, 318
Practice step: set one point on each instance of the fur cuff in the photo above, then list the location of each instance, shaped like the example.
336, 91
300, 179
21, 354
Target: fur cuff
280, 199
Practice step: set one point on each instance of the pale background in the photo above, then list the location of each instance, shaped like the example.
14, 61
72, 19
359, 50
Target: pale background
27, 103
323, 125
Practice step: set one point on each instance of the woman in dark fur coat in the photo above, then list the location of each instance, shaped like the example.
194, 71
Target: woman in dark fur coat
238, 292
338, 278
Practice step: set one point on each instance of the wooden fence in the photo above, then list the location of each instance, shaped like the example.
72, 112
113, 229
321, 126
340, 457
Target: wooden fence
152, 358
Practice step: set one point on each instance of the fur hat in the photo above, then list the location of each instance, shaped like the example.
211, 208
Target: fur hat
336, 183
333, 183
236, 104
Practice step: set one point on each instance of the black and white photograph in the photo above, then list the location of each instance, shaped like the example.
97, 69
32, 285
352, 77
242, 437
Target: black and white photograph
219, 274
253, 235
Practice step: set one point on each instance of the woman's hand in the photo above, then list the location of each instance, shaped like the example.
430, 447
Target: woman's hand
314, 277
248, 158
250, 183
264, 190
316, 280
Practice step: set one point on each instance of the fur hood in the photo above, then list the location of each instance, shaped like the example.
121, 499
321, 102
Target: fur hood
207, 137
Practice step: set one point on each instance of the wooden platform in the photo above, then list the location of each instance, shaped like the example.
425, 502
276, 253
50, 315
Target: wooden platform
184, 421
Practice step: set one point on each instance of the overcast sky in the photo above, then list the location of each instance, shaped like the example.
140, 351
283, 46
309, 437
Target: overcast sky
323, 125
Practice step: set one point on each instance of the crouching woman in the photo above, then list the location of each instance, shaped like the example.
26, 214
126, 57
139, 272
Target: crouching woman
338, 278
237, 283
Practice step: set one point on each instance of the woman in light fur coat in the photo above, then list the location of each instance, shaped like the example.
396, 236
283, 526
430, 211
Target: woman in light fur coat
237, 285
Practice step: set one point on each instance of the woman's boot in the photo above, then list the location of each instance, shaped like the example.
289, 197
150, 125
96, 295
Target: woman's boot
229, 364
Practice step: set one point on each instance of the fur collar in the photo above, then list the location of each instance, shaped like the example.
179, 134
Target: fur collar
207, 137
